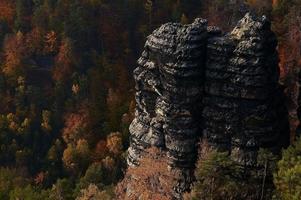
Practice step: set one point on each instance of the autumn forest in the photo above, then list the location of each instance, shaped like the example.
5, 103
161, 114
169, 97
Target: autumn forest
67, 92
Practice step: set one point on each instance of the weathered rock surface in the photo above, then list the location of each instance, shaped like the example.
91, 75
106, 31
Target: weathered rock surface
194, 81
169, 84
244, 106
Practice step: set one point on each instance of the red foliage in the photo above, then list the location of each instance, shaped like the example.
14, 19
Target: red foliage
40, 178
75, 126
100, 151
7, 11
15, 51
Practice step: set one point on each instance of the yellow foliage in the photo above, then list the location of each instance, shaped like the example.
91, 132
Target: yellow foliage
114, 143
46, 121
82, 148
108, 163
69, 157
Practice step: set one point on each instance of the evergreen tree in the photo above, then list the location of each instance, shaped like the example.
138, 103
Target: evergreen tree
287, 179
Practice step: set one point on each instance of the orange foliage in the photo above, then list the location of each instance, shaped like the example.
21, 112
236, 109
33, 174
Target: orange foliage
76, 157
15, 52
82, 148
282, 56
7, 11
69, 158
286, 25
40, 178
274, 3
64, 61
51, 42
93, 192
75, 126
114, 143
152, 179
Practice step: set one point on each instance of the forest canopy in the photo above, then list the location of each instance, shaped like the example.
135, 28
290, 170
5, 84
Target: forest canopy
66, 87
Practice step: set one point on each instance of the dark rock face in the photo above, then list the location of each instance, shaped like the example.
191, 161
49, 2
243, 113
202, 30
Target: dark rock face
169, 84
243, 103
192, 81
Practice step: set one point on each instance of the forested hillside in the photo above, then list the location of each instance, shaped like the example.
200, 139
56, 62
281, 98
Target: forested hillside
66, 87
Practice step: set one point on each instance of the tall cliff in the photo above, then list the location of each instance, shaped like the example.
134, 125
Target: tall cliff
244, 106
193, 81
169, 84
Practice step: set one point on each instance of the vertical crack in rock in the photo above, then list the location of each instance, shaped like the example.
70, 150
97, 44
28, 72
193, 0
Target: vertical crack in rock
192, 80
244, 106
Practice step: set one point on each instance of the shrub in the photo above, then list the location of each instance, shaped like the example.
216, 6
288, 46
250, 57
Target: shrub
287, 179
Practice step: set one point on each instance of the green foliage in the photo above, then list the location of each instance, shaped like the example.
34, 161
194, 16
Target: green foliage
287, 179
10, 179
28, 193
219, 177
62, 190
54, 153
23, 156
54, 164
77, 158
95, 175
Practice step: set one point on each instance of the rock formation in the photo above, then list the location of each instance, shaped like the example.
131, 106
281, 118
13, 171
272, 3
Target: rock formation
169, 84
244, 106
193, 81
